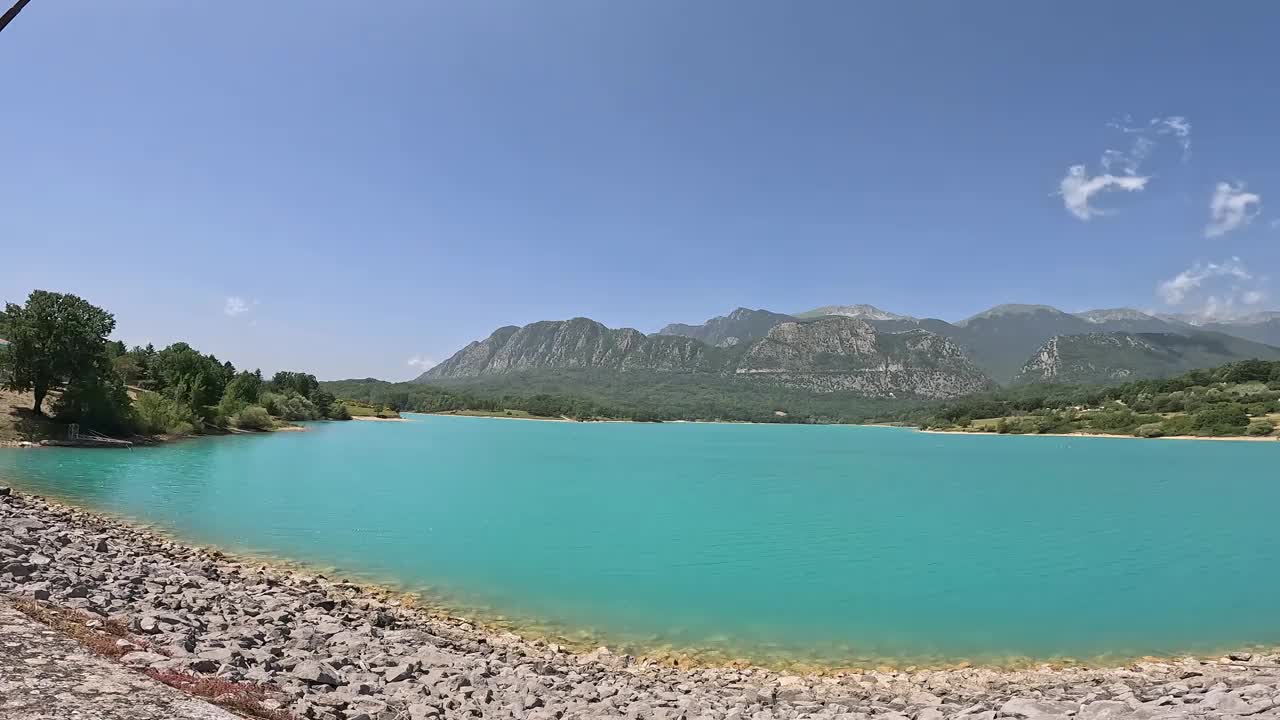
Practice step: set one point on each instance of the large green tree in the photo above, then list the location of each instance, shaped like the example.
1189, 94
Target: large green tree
185, 374
55, 338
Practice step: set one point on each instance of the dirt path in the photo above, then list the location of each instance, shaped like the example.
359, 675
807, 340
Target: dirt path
18, 423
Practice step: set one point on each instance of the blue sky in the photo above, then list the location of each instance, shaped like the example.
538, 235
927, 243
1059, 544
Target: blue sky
344, 187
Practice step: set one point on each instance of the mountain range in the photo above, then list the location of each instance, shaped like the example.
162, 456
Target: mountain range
873, 352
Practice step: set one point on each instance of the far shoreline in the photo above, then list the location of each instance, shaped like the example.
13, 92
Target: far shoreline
1224, 438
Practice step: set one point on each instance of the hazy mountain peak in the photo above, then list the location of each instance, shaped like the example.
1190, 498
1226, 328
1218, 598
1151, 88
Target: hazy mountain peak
861, 311
1112, 314
1258, 317
741, 325
1012, 309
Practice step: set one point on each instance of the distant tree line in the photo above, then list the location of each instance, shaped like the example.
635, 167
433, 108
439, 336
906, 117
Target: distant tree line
639, 396
58, 343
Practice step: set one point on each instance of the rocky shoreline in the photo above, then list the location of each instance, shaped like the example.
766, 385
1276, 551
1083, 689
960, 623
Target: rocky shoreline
330, 650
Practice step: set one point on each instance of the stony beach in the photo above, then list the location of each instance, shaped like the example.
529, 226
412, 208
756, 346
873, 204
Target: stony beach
304, 646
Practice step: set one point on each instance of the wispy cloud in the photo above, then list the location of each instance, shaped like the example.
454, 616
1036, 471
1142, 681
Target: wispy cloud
235, 306
1120, 168
1179, 127
1176, 289
1131, 160
1176, 126
422, 362
1078, 188
1214, 291
1253, 297
1231, 207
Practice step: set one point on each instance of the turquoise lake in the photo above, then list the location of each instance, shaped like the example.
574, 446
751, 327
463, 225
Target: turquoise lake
828, 544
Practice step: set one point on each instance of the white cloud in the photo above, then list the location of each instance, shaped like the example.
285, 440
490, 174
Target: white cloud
422, 362
1177, 126
1120, 168
1214, 291
1129, 161
1231, 207
1176, 289
235, 306
1077, 188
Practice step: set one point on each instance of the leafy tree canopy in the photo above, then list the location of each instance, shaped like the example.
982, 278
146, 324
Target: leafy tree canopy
55, 339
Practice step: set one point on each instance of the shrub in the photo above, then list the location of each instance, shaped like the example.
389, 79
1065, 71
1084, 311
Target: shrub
157, 414
338, 411
1259, 427
230, 406
289, 406
1178, 425
1221, 419
1149, 430
253, 417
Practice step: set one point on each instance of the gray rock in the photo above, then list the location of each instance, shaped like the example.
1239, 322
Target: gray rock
203, 665
1104, 710
403, 671
317, 673
1227, 703
423, 711
141, 658
1029, 708
222, 656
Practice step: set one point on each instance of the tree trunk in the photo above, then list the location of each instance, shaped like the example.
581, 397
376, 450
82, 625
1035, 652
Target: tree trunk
39, 391
12, 13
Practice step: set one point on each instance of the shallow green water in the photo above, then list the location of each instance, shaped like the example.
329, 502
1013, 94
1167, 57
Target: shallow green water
812, 543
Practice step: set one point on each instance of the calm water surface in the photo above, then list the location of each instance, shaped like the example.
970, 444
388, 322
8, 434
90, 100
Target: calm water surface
832, 544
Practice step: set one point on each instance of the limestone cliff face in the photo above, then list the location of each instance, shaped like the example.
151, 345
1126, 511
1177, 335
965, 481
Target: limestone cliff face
825, 355
1088, 358
577, 344
1120, 356
842, 353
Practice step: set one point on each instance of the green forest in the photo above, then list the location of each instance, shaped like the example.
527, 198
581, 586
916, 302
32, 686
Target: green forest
58, 351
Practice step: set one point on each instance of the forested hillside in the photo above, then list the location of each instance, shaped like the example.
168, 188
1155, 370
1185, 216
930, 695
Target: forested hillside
1241, 398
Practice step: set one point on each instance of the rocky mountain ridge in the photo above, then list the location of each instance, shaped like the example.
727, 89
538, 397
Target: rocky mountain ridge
833, 353
1002, 338
740, 326
874, 352
1120, 356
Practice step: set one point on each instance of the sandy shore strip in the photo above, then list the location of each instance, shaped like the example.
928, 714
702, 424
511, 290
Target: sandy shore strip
1223, 438
333, 650
371, 418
